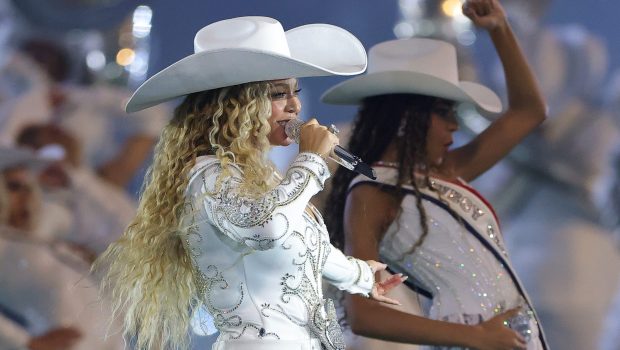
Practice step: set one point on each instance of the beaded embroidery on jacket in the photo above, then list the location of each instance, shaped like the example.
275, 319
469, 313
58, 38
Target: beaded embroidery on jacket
467, 273
305, 241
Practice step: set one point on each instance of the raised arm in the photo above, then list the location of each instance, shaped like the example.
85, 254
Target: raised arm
526, 106
368, 212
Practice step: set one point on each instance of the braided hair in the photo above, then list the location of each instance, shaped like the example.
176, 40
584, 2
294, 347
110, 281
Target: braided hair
403, 118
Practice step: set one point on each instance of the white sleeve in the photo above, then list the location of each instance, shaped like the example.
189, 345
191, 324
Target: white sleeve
260, 222
348, 273
12, 336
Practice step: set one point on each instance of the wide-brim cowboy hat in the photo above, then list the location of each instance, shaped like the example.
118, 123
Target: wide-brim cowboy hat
247, 49
416, 66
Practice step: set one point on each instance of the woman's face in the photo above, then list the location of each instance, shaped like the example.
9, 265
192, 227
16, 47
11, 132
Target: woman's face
285, 105
439, 137
18, 183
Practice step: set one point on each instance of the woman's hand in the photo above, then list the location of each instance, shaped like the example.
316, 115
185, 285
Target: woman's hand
495, 335
379, 289
486, 14
316, 138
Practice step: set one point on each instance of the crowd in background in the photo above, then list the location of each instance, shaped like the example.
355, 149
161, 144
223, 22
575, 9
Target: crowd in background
67, 160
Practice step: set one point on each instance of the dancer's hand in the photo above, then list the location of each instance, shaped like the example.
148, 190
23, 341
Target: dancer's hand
486, 14
379, 289
495, 335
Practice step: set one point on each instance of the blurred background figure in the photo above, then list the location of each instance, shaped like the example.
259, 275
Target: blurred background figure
46, 299
553, 187
114, 146
56, 69
57, 91
610, 208
99, 209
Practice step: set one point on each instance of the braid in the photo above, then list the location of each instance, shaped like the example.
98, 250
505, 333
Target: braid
380, 120
415, 129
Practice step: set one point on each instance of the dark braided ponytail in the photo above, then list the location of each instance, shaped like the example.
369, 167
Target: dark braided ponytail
403, 118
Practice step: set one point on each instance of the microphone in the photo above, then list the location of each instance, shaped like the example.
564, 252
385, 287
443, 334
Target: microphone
338, 154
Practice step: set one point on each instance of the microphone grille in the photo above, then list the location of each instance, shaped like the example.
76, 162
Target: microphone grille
292, 129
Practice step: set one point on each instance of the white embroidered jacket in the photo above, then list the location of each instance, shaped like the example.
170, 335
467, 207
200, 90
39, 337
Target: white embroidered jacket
259, 263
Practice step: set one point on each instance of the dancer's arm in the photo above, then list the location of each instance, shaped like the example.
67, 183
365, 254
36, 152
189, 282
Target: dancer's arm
368, 213
526, 106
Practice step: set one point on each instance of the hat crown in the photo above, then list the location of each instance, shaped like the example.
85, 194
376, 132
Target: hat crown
420, 55
252, 33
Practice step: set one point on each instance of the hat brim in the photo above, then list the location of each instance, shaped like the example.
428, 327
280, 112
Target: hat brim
316, 50
354, 90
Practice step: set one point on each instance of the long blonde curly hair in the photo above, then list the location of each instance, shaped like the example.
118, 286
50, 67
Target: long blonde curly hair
147, 272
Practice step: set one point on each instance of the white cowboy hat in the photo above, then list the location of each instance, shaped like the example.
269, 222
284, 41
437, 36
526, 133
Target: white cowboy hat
246, 49
417, 66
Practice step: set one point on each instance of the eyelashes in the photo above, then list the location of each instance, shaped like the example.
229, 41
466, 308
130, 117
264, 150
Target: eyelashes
281, 95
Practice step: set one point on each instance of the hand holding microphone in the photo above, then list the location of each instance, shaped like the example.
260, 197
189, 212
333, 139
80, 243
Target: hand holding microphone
313, 137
